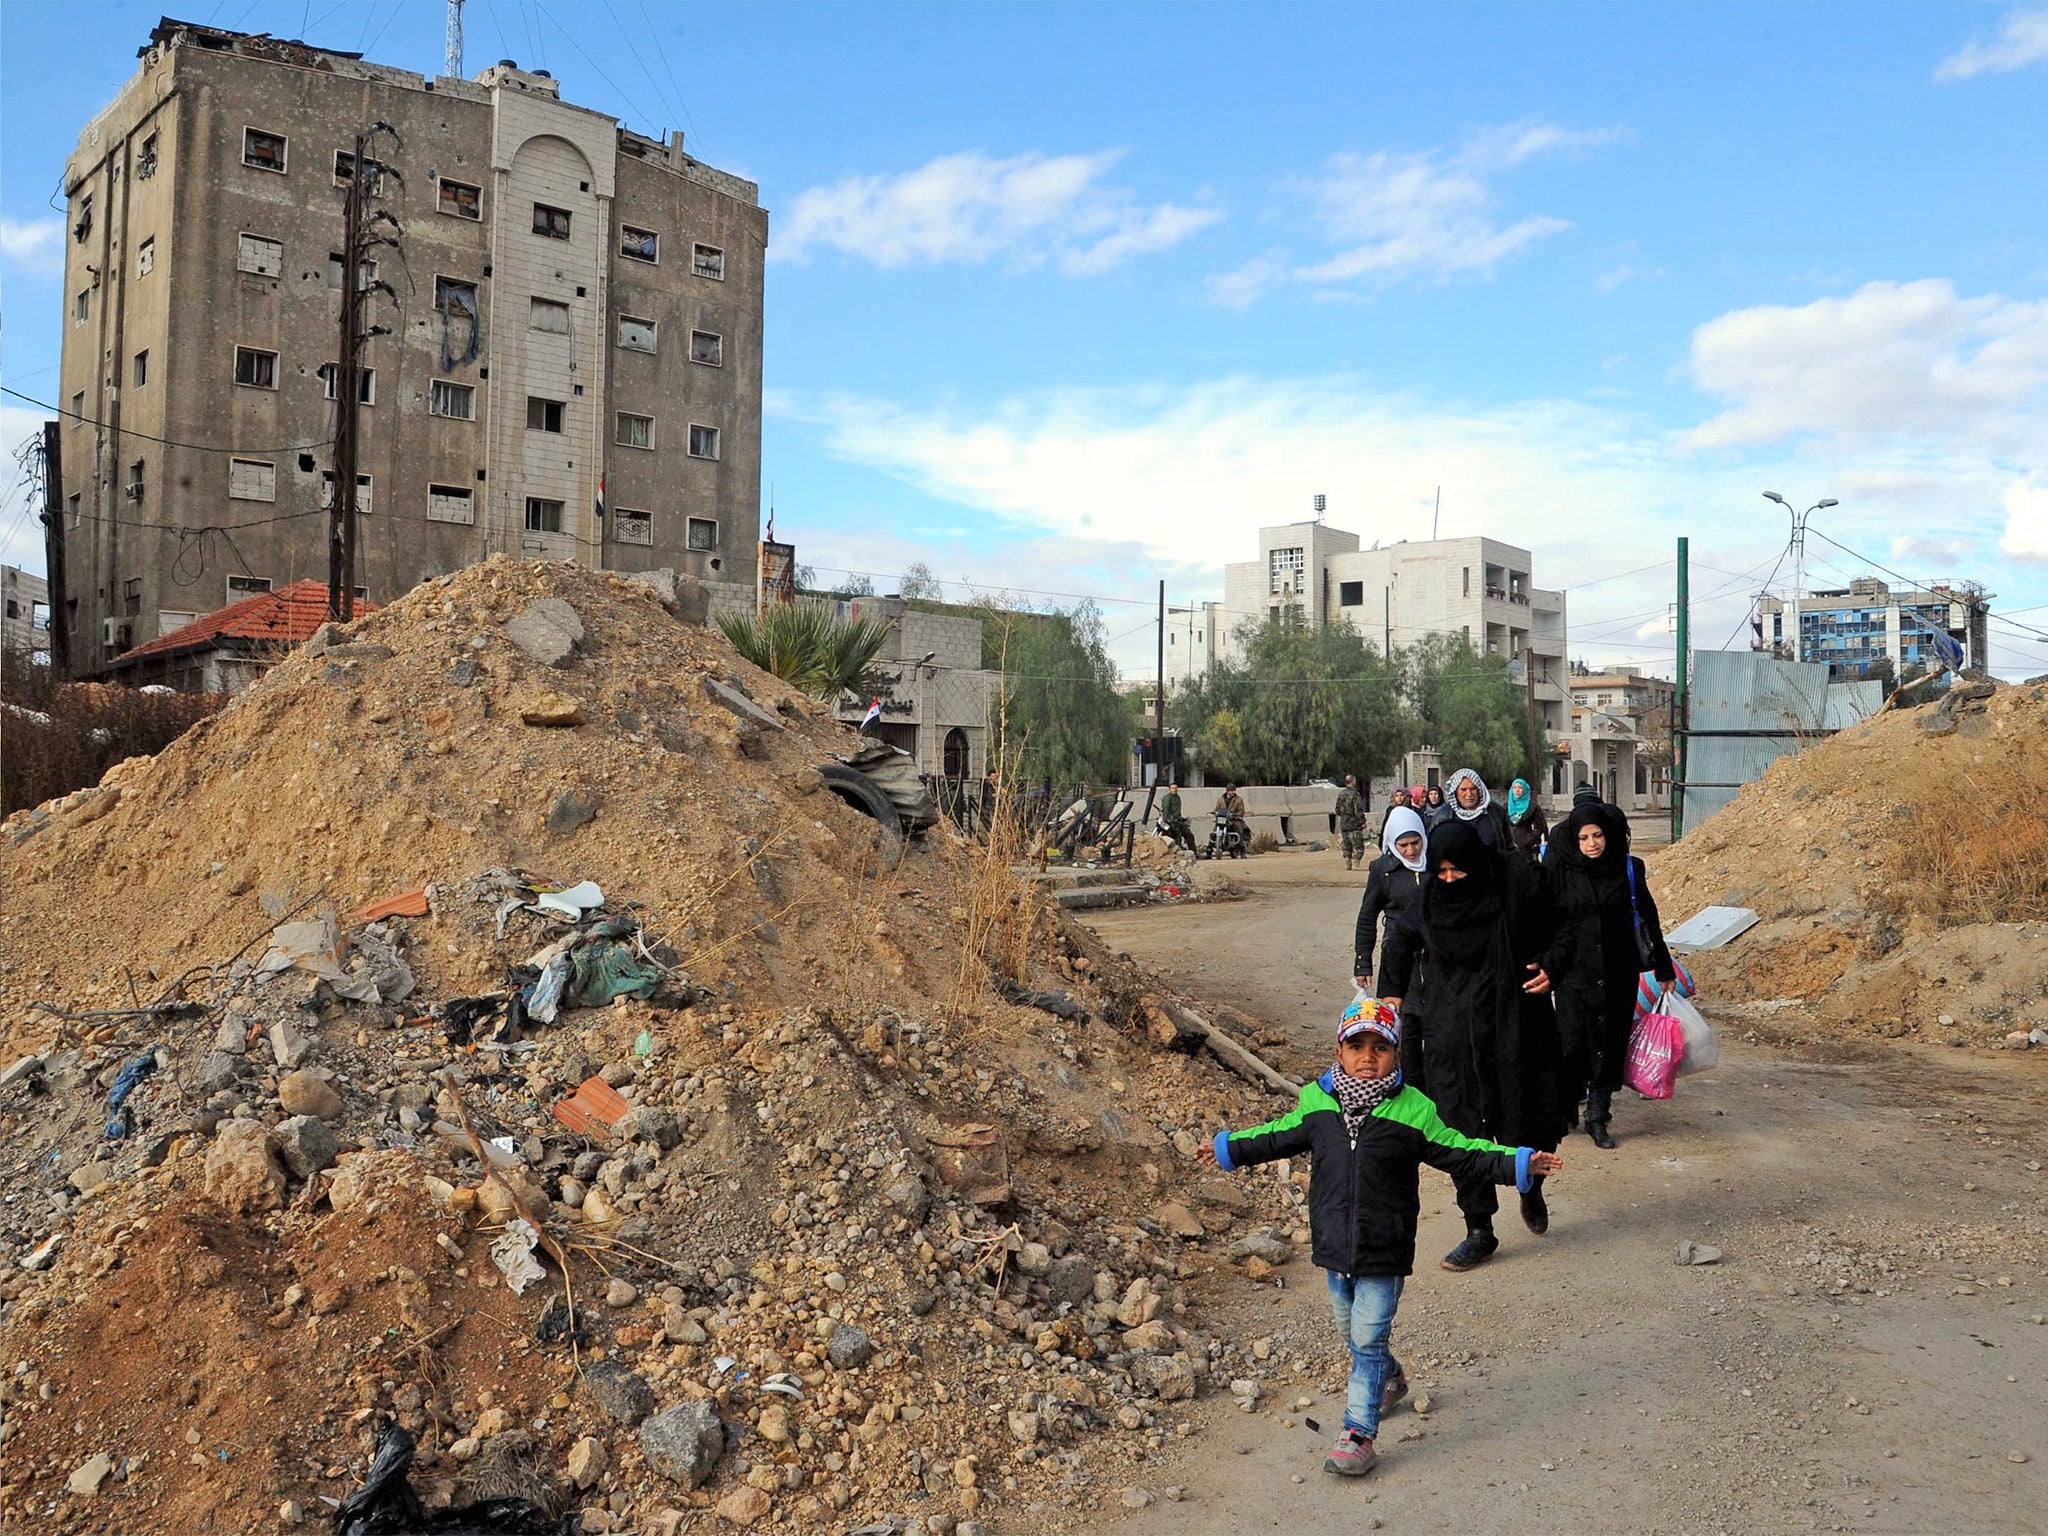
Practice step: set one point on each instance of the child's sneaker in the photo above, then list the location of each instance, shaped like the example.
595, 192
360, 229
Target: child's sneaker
1392, 1393
1351, 1456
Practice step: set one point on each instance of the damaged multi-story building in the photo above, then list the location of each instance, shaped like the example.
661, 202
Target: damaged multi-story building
571, 359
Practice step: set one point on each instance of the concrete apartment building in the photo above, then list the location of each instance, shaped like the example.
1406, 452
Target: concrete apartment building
573, 364
24, 613
1851, 627
1394, 595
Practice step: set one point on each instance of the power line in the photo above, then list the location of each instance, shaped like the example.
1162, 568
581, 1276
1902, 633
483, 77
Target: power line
1919, 585
150, 437
617, 89
682, 101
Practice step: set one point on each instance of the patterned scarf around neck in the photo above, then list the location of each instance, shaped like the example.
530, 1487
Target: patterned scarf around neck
1358, 1097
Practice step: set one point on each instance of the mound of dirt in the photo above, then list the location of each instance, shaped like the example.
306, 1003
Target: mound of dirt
1901, 871
920, 1250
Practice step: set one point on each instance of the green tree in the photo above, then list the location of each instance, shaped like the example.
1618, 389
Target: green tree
1301, 703
1061, 709
919, 582
1468, 707
807, 643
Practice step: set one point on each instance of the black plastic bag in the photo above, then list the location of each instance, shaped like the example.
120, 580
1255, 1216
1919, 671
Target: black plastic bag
386, 1505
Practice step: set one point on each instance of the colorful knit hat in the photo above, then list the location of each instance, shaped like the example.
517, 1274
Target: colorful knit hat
1369, 1015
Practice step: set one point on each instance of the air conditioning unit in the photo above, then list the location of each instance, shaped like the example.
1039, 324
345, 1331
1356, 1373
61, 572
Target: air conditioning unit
117, 634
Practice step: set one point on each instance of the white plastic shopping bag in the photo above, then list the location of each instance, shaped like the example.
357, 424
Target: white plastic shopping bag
1702, 1050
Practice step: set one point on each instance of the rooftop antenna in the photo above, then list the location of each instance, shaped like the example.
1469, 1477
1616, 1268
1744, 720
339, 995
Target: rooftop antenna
1439, 512
452, 64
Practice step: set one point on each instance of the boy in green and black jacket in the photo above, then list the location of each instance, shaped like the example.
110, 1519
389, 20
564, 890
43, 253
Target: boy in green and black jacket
1368, 1135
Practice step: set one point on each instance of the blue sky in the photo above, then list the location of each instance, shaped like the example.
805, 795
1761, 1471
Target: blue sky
1070, 299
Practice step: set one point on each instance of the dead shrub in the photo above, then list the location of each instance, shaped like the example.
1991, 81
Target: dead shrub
1265, 842
64, 736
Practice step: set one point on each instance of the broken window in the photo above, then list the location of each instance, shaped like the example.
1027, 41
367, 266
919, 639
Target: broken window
366, 383
131, 597
543, 415
552, 222
455, 300
703, 533
255, 368
366, 272
453, 400
630, 527
84, 308
634, 431
362, 491
542, 515
263, 150
636, 335
345, 171
145, 159
145, 257
245, 586
639, 244
707, 348
703, 442
142, 368
84, 225
263, 257
461, 200
708, 261
135, 480
450, 504
252, 480
549, 315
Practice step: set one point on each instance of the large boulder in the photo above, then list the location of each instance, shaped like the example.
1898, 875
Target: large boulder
546, 629
242, 1171
684, 1443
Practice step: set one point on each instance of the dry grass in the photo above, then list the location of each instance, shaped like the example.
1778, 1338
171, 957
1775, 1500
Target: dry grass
63, 736
1265, 842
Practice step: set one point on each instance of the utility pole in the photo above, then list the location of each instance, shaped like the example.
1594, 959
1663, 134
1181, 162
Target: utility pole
1534, 735
1159, 703
53, 548
1679, 700
341, 512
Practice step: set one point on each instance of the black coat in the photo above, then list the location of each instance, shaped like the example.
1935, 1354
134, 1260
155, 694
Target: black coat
1526, 836
1491, 824
1390, 888
1362, 1195
1491, 1051
1595, 966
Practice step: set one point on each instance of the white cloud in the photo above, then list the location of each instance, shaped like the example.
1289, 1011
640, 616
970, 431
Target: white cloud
1029, 210
36, 245
1426, 215
1932, 551
2022, 40
2026, 523
1891, 360
1246, 285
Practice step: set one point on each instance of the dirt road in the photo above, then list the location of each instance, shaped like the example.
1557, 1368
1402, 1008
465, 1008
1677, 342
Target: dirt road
1869, 1355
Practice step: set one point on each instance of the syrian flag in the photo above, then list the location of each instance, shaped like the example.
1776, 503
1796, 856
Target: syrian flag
874, 713
600, 498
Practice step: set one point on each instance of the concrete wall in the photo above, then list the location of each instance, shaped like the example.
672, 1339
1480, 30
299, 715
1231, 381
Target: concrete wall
507, 133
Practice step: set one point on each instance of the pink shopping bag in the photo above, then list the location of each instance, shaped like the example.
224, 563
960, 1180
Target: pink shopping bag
1654, 1051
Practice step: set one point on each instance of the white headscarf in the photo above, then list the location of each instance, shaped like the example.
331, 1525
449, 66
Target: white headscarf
1400, 822
1451, 794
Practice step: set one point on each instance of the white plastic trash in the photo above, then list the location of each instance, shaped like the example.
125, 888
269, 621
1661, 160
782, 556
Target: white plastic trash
572, 903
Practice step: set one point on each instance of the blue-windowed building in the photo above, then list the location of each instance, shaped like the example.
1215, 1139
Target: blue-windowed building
1852, 627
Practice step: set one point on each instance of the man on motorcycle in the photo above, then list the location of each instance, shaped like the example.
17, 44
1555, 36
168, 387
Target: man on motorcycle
1173, 820
1230, 806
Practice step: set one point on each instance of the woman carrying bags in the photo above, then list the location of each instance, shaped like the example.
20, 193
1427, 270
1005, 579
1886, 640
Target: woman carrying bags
1470, 956
1392, 882
1609, 935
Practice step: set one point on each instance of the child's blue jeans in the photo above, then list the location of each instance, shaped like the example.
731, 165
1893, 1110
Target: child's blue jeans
1365, 1305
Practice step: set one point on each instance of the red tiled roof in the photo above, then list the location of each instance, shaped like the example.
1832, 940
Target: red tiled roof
287, 616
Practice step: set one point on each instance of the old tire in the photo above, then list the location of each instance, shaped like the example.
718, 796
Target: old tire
865, 796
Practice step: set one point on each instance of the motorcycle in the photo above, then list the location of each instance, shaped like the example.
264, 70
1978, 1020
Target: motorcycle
1230, 839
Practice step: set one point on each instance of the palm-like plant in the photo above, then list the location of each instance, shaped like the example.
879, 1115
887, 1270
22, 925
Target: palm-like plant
809, 645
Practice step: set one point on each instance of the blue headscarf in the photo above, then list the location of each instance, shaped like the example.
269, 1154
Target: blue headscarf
1519, 800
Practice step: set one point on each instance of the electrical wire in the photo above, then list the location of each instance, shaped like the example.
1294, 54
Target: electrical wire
617, 89
150, 437
682, 101
1918, 584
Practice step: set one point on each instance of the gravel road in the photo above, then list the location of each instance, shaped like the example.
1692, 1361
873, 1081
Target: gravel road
1868, 1355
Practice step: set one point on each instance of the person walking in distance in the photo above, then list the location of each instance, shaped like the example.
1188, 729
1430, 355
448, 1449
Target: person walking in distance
1609, 934
1391, 886
1351, 821
1432, 802
1472, 952
1527, 825
1368, 1132
1397, 800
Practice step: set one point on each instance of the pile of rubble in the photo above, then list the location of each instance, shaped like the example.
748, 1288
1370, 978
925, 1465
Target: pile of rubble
1898, 869
490, 1034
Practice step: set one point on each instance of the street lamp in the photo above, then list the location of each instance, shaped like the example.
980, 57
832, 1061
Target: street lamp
1799, 558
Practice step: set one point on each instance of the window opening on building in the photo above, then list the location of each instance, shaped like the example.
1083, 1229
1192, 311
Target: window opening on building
543, 415
703, 533
708, 348
631, 527
639, 244
543, 515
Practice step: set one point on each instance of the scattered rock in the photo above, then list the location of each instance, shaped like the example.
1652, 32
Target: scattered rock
621, 1293
1024, 1427
909, 1197
86, 1478
1171, 1378
242, 1171
743, 1506
622, 1393
1137, 1498
849, 1347
1690, 1252
648, 1123
1177, 1220
1071, 1279
729, 697
1262, 1245
290, 1049
547, 629
304, 1093
87, 1177
683, 1443
308, 1144
551, 709
587, 1461
774, 1424
570, 811
1149, 1338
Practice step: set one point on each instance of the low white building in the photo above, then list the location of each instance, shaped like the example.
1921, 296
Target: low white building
934, 692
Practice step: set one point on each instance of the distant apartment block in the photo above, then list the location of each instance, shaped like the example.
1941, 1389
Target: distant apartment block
1851, 627
25, 627
1477, 588
573, 364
